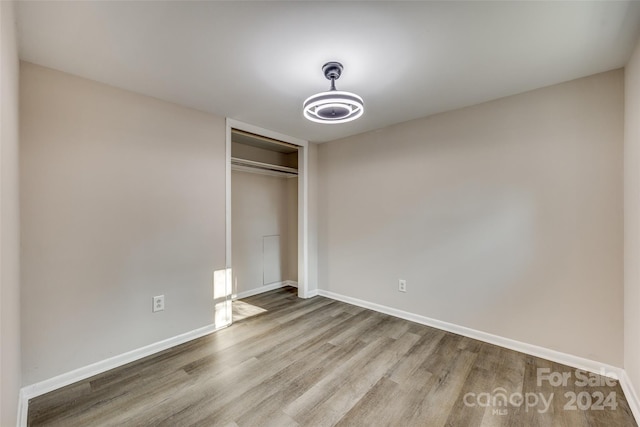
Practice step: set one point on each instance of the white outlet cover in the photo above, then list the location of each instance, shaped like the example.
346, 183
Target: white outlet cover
158, 303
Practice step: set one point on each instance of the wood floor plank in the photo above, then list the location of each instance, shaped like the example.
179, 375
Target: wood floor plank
300, 384
508, 379
442, 397
531, 415
365, 321
481, 379
267, 399
323, 389
214, 395
384, 393
320, 362
274, 339
357, 384
407, 372
282, 355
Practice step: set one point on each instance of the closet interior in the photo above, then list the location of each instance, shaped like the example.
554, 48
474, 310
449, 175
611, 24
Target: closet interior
264, 213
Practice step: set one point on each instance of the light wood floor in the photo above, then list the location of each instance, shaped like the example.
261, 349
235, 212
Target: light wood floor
319, 362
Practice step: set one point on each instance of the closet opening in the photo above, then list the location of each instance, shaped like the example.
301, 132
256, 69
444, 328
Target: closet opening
266, 214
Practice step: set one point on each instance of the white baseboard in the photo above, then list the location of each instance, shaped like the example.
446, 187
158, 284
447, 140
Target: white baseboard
312, 293
23, 410
264, 288
42, 387
630, 394
291, 283
534, 350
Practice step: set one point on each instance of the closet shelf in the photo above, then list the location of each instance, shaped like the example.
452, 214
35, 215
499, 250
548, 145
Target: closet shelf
264, 168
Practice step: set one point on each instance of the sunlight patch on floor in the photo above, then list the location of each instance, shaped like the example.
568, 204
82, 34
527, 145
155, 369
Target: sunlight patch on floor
243, 310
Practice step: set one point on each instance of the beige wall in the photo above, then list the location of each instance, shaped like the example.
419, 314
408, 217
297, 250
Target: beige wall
122, 199
260, 206
632, 220
10, 370
505, 217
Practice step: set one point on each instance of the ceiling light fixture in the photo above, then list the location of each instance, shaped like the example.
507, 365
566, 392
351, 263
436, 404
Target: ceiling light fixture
333, 106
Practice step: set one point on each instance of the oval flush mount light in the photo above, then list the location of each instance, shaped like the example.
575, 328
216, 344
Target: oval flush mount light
333, 106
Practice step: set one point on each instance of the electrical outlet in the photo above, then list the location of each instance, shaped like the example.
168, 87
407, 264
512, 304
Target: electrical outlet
158, 303
402, 285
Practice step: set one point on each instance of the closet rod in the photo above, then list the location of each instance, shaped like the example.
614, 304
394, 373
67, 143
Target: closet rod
264, 166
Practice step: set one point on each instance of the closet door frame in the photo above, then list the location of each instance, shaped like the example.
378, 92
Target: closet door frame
303, 200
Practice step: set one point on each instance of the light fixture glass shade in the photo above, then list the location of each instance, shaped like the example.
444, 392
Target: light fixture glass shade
333, 107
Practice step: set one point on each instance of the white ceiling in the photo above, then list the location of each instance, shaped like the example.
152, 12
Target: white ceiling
258, 61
